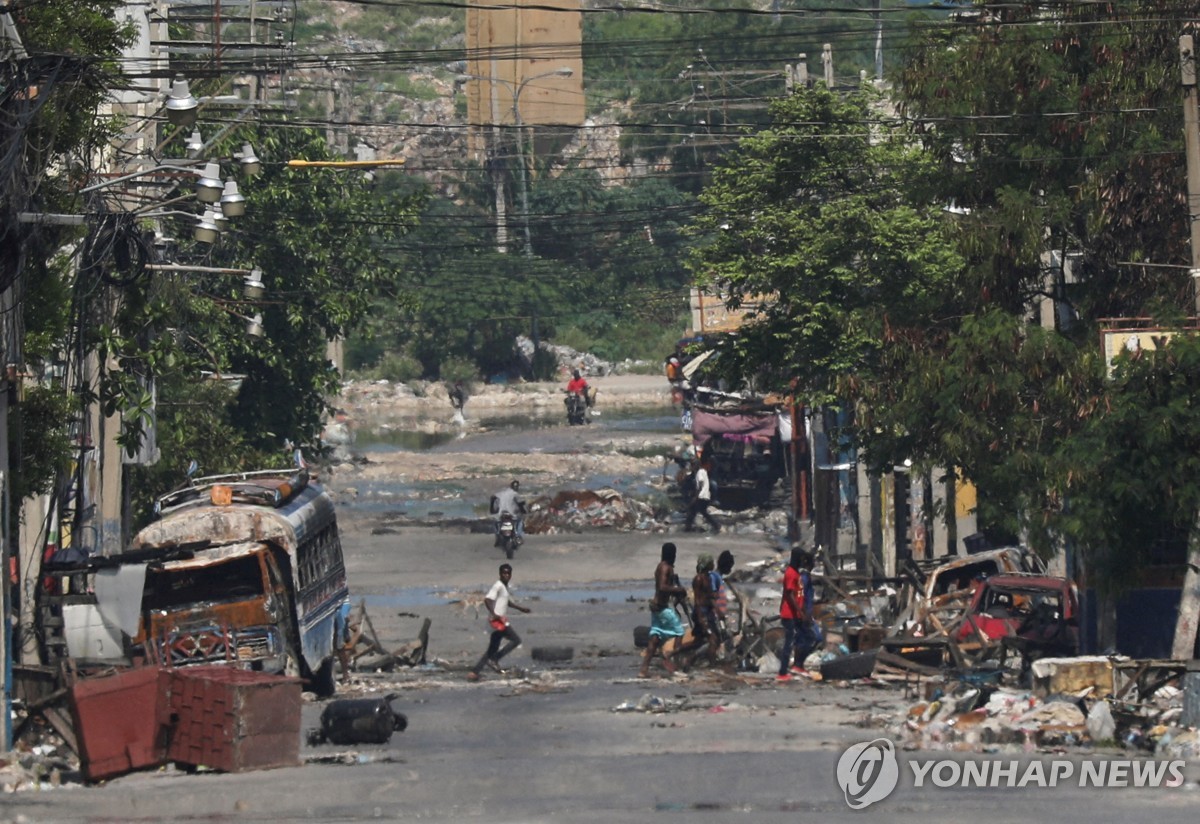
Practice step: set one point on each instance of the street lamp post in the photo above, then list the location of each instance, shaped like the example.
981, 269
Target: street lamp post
515, 91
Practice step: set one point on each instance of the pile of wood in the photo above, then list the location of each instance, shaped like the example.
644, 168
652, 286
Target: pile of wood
363, 651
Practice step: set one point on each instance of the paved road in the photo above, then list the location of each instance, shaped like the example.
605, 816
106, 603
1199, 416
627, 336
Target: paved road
550, 747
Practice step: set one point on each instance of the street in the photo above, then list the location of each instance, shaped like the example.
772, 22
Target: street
567, 742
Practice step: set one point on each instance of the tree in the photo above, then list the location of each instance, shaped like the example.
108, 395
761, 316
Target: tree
47, 132
811, 214
1058, 129
1055, 134
316, 235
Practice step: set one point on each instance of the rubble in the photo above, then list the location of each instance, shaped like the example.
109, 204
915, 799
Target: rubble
363, 651
577, 509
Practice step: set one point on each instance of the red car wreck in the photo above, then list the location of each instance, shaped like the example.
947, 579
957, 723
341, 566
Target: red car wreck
1036, 616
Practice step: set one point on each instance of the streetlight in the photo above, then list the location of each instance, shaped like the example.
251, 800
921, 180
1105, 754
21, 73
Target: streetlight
181, 105
515, 91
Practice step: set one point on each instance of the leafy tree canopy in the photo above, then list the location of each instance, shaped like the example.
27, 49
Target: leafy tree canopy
810, 219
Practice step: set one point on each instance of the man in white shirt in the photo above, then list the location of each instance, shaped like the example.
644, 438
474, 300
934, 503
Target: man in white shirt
498, 600
510, 502
701, 502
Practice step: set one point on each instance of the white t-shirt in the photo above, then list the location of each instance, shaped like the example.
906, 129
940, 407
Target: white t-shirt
703, 490
508, 501
498, 594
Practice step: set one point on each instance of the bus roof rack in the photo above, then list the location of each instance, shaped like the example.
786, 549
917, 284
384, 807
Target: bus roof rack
265, 487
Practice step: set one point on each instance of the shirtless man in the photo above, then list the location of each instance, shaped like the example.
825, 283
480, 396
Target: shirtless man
664, 620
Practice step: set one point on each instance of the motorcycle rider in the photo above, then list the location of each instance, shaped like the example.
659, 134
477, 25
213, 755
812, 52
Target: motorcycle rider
578, 387
509, 501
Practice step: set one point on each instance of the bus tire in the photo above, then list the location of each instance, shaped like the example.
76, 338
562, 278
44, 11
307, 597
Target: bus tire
323, 683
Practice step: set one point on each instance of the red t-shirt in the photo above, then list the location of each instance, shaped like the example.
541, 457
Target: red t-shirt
577, 385
791, 583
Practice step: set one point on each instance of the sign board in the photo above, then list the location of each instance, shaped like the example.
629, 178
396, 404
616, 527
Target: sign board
709, 313
1132, 337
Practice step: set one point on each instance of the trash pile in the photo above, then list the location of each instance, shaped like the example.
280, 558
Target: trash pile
576, 509
991, 643
43, 766
1090, 700
567, 358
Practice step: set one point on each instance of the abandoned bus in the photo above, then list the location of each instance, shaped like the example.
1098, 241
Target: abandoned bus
246, 569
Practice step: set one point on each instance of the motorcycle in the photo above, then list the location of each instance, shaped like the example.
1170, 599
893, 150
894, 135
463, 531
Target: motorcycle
578, 405
506, 535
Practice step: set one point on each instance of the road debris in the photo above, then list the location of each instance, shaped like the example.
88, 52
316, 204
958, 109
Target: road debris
358, 721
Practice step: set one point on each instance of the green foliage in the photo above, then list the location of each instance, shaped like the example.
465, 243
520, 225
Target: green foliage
618, 338
812, 214
1048, 135
397, 367
39, 435
194, 423
1100, 177
458, 369
307, 230
594, 270
1132, 473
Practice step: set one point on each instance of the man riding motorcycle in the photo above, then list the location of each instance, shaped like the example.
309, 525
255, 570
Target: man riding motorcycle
579, 398
510, 502
577, 385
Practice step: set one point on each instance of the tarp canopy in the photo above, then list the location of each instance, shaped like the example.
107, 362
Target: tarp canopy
747, 425
691, 366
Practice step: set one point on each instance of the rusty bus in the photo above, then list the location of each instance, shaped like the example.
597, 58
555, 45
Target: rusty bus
245, 569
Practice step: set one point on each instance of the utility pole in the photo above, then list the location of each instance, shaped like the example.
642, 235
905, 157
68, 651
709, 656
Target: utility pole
498, 170
1189, 597
876, 12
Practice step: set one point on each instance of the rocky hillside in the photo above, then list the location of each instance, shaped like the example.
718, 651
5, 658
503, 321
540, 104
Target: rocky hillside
384, 82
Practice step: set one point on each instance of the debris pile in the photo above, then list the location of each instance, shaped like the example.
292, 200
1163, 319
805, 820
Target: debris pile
566, 357
577, 509
363, 651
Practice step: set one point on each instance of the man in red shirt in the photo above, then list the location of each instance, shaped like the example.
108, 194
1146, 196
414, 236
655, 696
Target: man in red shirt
577, 385
791, 611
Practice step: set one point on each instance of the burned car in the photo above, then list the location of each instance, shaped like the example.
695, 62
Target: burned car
1034, 615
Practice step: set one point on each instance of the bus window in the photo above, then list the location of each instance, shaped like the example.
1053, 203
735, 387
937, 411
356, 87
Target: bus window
232, 580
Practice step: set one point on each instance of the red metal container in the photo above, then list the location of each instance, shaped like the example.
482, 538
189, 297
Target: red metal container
233, 720
116, 723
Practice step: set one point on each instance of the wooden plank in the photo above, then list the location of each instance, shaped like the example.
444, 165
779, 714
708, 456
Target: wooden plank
1133, 679
61, 721
893, 660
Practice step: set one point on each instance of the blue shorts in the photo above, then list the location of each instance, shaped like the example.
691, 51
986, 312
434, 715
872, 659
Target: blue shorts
666, 624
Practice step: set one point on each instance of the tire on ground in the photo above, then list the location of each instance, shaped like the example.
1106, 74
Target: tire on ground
551, 655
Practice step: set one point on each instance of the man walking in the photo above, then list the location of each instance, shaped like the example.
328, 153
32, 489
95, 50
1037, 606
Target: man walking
702, 500
498, 600
791, 611
664, 620
704, 596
